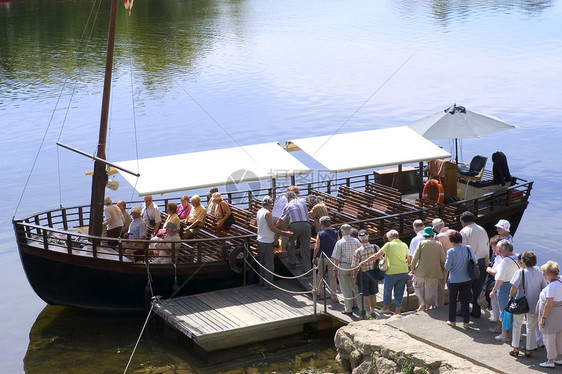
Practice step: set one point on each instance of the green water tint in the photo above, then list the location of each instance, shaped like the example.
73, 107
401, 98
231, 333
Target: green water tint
73, 341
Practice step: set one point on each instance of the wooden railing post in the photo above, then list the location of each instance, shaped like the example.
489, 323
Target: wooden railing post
69, 243
64, 219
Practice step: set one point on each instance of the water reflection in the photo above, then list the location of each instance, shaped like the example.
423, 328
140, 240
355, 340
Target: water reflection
74, 341
163, 41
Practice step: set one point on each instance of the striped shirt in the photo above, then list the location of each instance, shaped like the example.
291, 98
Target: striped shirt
362, 253
297, 211
345, 249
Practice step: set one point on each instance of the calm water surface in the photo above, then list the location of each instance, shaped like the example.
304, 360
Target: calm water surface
199, 75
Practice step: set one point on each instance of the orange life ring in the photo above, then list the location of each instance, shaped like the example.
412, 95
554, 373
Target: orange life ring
434, 183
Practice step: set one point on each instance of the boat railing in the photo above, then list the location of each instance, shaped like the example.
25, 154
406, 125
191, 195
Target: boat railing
44, 226
56, 230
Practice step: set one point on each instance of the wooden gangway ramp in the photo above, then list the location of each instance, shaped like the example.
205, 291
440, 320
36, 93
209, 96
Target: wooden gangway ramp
237, 316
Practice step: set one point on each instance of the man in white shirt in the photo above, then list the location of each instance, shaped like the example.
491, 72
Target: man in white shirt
418, 226
476, 237
151, 215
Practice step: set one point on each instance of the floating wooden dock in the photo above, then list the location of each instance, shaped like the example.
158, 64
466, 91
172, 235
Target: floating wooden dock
237, 316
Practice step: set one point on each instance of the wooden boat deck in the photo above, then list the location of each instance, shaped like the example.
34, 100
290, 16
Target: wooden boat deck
237, 316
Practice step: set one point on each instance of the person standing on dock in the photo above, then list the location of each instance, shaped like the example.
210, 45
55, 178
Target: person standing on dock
266, 236
476, 237
343, 257
325, 243
297, 213
503, 226
443, 238
366, 281
427, 266
418, 227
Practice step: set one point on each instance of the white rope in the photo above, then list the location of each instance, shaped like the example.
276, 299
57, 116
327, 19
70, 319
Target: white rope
275, 274
138, 340
276, 286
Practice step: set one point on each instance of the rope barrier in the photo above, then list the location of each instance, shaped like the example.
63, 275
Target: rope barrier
274, 285
274, 274
138, 340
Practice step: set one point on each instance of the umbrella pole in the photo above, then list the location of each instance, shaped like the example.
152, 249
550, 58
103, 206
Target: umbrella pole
456, 152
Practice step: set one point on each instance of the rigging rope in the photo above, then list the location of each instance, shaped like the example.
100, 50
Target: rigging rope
138, 340
53, 114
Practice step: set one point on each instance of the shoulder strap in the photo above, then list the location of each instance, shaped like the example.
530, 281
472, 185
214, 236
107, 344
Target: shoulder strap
515, 262
523, 280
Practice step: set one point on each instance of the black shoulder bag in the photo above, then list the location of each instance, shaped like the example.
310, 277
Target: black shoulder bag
473, 269
519, 305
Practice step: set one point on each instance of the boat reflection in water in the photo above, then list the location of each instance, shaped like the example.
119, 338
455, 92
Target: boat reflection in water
71, 340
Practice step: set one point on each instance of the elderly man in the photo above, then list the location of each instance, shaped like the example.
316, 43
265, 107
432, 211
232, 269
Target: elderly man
137, 231
137, 228
163, 247
266, 235
126, 217
443, 237
418, 229
151, 215
196, 217
368, 284
427, 266
113, 220
476, 237
297, 213
280, 203
343, 257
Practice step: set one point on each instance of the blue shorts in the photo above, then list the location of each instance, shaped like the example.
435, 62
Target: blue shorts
367, 283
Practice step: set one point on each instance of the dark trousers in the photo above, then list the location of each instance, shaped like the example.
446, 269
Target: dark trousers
477, 288
464, 290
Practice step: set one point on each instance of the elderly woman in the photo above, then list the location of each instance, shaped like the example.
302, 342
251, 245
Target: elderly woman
506, 269
427, 266
550, 314
459, 279
184, 208
395, 278
222, 212
171, 209
318, 209
527, 282
491, 280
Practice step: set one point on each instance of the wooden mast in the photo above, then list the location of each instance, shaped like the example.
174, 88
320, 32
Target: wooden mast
99, 178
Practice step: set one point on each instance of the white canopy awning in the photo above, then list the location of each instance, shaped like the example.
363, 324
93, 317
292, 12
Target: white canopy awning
370, 149
188, 171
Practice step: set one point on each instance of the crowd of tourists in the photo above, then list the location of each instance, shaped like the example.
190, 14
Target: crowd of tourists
477, 272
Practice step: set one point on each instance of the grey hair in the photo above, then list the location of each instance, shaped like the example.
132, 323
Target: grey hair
437, 222
392, 234
325, 221
345, 228
290, 195
267, 200
505, 245
312, 199
418, 223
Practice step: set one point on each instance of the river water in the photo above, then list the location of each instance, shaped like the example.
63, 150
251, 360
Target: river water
199, 75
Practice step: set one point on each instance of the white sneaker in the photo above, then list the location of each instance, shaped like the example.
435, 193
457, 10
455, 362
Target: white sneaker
546, 364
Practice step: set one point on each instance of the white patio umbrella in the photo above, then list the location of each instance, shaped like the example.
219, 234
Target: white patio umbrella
457, 122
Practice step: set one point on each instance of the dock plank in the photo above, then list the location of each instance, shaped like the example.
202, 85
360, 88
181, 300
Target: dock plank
220, 319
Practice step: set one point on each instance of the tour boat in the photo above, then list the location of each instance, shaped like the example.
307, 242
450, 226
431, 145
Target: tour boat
377, 180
